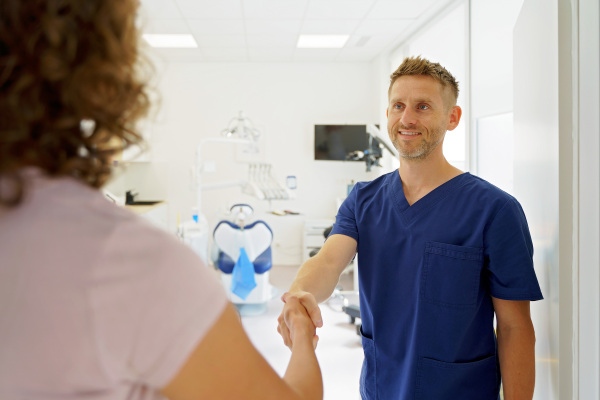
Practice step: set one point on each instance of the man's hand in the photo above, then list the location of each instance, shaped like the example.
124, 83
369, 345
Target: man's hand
290, 321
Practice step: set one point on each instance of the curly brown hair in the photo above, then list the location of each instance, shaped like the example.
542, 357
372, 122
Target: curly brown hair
421, 66
63, 61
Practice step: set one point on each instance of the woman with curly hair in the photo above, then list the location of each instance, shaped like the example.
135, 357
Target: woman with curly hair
94, 302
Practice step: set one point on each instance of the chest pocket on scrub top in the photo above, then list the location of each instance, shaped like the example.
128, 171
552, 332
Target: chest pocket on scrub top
451, 274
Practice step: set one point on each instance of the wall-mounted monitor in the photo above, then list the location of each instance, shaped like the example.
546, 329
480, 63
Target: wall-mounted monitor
337, 142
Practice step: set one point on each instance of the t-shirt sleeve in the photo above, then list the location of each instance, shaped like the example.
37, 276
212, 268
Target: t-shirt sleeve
345, 220
509, 256
153, 305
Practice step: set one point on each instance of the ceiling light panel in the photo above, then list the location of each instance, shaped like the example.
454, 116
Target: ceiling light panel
321, 41
170, 40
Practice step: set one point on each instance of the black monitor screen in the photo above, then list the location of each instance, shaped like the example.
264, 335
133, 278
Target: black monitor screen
335, 142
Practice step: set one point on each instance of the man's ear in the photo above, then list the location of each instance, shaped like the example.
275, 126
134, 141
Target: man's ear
455, 114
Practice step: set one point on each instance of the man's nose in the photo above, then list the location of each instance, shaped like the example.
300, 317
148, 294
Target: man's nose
409, 117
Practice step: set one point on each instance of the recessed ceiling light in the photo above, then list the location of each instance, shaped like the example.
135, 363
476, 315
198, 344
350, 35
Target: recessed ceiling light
322, 41
170, 40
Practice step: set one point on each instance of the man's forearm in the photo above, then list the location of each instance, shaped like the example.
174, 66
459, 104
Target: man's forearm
316, 278
516, 349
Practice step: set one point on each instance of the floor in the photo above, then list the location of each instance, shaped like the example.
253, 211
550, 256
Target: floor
339, 351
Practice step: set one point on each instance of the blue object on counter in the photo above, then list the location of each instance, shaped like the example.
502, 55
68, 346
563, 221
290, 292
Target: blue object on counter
291, 182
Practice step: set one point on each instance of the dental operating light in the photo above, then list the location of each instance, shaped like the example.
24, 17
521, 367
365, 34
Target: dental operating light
242, 128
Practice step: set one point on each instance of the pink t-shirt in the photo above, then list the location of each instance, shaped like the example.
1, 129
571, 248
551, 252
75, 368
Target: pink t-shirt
95, 303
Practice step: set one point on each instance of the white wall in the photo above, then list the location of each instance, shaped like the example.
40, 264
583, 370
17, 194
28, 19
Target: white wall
285, 101
587, 184
535, 66
445, 40
491, 91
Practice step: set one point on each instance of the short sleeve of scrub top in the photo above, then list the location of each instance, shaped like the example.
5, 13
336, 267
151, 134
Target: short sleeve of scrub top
345, 220
508, 245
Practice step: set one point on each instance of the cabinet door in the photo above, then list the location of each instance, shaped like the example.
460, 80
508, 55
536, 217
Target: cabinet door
157, 215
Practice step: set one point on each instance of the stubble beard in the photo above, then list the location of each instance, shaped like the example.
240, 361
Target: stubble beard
423, 150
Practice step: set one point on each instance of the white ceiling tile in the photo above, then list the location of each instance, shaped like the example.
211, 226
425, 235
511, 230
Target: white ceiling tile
393, 27
271, 9
278, 54
315, 54
187, 55
220, 40
336, 9
159, 9
359, 53
216, 26
399, 9
169, 26
268, 30
225, 54
203, 9
329, 27
272, 40
273, 26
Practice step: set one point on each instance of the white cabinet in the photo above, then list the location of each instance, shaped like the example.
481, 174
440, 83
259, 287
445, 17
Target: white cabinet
313, 238
156, 214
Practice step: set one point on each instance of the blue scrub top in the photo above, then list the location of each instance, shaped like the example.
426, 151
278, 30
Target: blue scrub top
426, 274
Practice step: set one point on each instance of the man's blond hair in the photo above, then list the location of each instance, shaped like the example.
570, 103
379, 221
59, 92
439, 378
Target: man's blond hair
422, 66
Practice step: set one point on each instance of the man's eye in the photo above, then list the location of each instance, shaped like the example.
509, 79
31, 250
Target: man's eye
423, 107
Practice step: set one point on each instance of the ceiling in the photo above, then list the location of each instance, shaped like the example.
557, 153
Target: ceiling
268, 30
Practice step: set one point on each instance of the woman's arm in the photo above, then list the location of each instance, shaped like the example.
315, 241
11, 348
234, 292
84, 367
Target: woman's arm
225, 365
316, 280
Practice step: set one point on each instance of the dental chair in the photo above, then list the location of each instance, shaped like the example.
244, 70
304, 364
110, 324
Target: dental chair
243, 255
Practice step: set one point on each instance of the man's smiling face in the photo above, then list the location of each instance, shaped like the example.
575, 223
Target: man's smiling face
418, 116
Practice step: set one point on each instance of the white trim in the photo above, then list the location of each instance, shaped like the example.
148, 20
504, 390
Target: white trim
589, 200
568, 199
467, 89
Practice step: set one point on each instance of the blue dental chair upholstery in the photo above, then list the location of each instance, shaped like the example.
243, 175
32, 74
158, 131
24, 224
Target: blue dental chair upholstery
255, 239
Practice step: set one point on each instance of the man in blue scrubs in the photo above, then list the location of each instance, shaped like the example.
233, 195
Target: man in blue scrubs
440, 252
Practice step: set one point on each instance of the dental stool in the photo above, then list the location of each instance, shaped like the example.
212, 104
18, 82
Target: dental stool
244, 259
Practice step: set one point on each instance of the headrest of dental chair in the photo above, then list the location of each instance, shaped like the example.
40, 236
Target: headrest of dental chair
240, 213
254, 238
242, 207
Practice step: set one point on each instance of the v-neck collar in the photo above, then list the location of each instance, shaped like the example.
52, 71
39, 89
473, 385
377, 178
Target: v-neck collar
409, 213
